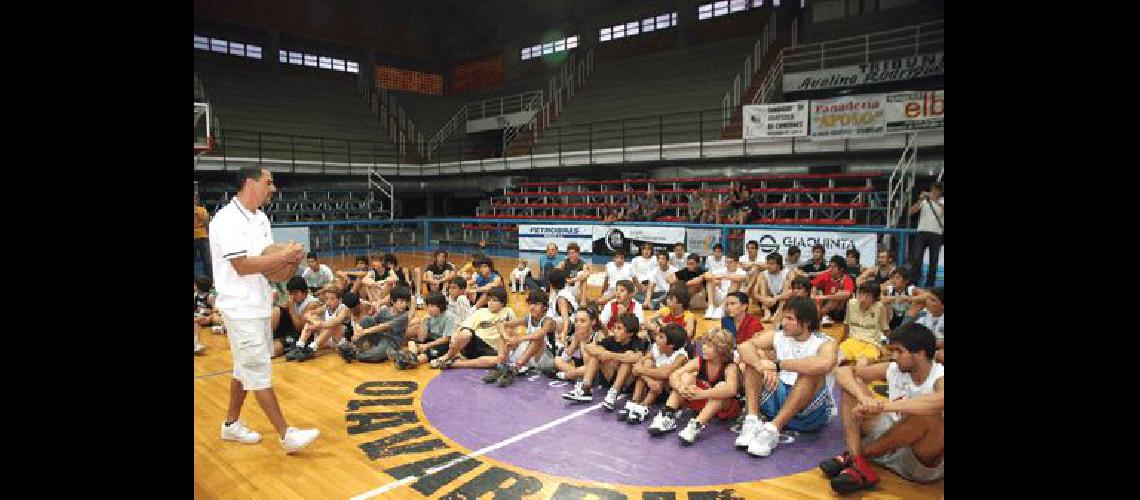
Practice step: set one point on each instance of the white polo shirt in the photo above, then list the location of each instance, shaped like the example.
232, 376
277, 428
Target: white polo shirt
235, 232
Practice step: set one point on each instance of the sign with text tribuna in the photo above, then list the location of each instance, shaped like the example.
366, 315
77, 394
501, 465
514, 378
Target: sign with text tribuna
787, 119
889, 70
848, 116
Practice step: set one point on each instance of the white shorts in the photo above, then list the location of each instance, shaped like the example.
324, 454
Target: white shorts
902, 460
251, 344
541, 361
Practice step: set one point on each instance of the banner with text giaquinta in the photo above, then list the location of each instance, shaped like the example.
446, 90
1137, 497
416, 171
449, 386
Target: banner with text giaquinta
834, 243
535, 237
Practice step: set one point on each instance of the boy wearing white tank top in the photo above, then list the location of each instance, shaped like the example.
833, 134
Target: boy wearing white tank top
787, 377
773, 286
904, 434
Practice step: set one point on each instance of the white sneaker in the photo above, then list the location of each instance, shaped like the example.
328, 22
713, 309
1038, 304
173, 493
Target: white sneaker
578, 395
748, 431
419, 301
826, 321
766, 439
662, 424
295, 439
715, 312
198, 349
218, 329
611, 398
690, 432
237, 431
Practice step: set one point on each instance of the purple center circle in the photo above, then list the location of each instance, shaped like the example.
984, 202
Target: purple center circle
594, 446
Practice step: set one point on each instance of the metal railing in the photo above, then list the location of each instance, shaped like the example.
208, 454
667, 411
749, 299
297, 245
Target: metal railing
494, 106
395, 122
901, 183
352, 237
743, 80
571, 76
377, 182
922, 38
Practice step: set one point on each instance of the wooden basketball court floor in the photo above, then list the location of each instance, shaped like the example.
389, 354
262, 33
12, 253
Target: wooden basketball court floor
392, 456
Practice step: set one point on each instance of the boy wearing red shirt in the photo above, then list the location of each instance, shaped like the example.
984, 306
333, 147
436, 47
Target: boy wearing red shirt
833, 288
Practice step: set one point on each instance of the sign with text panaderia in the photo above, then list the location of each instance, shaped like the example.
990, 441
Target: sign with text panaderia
629, 238
788, 119
834, 243
906, 111
848, 116
888, 70
537, 236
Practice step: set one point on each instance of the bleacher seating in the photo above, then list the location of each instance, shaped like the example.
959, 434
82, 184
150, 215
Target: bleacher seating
293, 111
677, 80
815, 199
307, 205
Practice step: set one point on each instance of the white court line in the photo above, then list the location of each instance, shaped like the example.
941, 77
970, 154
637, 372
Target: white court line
511, 440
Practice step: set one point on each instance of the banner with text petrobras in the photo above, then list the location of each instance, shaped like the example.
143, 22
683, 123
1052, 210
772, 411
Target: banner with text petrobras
834, 243
786, 119
906, 111
537, 236
629, 238
848, 116
889, 70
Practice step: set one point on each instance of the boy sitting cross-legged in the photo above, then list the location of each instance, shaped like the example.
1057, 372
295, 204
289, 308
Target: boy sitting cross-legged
653, 371
610, 361
479, 338
707, 384
533, 349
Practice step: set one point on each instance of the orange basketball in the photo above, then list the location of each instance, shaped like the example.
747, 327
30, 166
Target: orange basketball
283, 272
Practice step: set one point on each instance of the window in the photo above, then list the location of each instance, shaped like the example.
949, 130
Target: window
219, 45
227, 47
324, 62
237, 49
725, 7
310, 60
295, 58
704, 11
649, 24
352, 67
253, 51
737, 5
281, 56
201, 43
560, 45
338, 65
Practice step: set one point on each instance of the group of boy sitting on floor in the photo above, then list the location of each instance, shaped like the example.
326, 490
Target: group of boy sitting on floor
893, 330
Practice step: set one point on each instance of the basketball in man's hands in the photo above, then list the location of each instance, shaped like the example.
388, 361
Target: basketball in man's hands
284, 271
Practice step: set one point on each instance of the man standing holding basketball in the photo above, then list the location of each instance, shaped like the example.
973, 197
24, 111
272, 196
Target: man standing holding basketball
238, 235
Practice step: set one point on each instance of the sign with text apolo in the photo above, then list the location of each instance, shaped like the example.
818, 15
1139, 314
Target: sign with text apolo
848, 116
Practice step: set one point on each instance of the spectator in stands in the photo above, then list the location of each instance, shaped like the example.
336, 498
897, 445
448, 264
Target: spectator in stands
202, 236
317, 275
773, 287
633, 209
651, 208
868, 320
881, 271
930, 312
437, 273
930, 208
479, 338
853, 268
643, 266
739, 204
696, 207
904, 434
679, 256
693, 279
708, 384
519, 275
484, 280
576, 269
818, 264
789, 388
833, 289
712, 208
546, 263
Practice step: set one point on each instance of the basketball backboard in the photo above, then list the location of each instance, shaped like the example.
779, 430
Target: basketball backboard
203, 134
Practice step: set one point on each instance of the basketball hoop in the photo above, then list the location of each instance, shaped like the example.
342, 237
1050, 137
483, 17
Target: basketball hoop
203, 132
